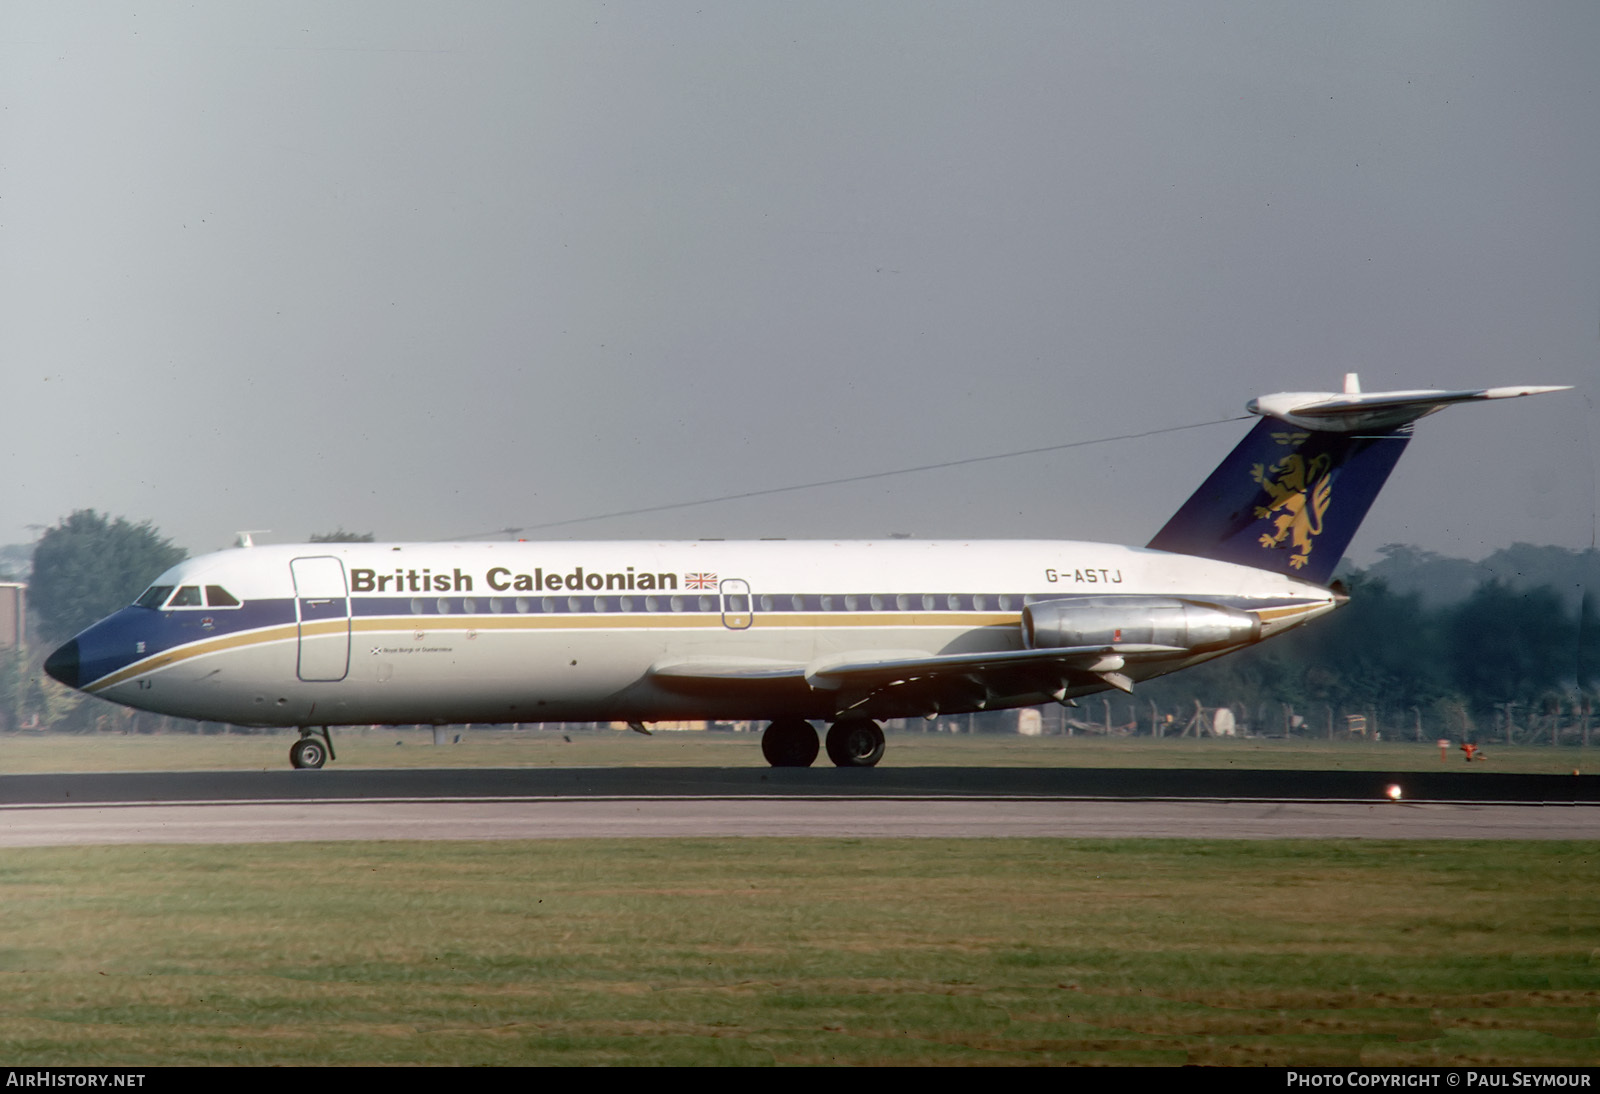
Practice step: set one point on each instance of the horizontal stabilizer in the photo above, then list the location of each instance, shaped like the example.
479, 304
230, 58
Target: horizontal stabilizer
1345, 412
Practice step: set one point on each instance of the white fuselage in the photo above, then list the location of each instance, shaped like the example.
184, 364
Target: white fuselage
530, 632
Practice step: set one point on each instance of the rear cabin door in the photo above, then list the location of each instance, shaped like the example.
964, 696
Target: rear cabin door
322, 608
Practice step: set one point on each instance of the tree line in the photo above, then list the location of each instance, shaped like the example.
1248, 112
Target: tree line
1506, 662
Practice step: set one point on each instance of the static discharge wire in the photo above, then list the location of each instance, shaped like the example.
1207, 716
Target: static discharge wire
849, 479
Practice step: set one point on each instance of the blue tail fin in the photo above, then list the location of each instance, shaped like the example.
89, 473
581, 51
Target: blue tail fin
1290, 497
1286, 499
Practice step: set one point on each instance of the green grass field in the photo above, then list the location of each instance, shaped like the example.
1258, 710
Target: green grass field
387, 747
754, 951
795, 951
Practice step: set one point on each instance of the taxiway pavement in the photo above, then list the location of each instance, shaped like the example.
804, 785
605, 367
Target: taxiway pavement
557, 803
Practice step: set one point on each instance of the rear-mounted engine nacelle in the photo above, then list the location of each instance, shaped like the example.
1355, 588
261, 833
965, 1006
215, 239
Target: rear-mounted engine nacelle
1141, 620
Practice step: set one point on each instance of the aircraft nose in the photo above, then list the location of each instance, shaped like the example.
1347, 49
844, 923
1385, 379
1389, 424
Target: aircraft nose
63, 664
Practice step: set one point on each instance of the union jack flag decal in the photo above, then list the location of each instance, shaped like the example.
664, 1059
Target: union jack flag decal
699, 581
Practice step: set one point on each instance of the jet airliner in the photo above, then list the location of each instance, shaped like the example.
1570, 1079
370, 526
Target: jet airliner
791, 633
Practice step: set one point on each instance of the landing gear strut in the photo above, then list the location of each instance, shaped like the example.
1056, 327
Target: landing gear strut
310, 752
789, 742
855, 742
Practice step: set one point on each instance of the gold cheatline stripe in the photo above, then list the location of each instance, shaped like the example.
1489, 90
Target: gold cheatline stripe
168, 658
665, 621
1272, 614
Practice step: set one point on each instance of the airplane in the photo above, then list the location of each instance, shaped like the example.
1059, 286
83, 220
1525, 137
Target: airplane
792, 633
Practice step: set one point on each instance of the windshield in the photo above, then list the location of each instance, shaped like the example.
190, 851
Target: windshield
154, 596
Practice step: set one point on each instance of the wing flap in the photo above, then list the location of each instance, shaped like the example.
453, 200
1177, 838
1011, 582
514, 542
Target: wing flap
854, 677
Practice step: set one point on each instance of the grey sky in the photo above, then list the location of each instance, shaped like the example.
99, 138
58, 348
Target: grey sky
430, 269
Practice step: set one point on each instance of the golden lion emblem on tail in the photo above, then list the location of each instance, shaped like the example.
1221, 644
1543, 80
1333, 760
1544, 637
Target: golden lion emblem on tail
1299, 491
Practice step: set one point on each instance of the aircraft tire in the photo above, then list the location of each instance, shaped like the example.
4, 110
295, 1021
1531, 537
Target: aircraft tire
308, 752
855, 742
790, 742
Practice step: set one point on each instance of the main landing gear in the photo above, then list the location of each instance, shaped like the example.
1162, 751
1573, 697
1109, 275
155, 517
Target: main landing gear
309, 751
855, 742
852, 742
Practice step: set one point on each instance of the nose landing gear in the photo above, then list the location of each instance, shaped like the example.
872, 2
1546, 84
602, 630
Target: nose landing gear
308, 751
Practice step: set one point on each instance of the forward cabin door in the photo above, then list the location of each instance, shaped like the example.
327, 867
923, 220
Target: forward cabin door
322, 609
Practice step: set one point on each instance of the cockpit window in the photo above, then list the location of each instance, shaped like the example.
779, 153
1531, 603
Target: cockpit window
154, 596
218, 597
187, 597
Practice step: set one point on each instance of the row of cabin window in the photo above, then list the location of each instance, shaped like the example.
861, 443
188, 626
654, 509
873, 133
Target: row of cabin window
215, 596
736, 603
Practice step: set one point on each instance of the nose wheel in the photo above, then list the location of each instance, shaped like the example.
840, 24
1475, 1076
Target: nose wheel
310, 751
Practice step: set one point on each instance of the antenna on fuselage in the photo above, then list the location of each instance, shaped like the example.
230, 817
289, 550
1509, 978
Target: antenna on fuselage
243, 538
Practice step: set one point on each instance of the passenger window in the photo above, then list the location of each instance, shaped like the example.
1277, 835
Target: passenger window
218, 597
929, 602
677, 603
188, 597
469, 605
708, 603
522, 605
766, 603
417, 606
154, 596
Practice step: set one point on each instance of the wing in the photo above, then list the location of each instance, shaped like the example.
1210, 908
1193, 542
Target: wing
915, 679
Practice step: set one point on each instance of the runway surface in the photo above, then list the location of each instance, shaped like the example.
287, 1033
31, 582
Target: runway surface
545, 803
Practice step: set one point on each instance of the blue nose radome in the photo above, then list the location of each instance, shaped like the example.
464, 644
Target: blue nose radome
63, 664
